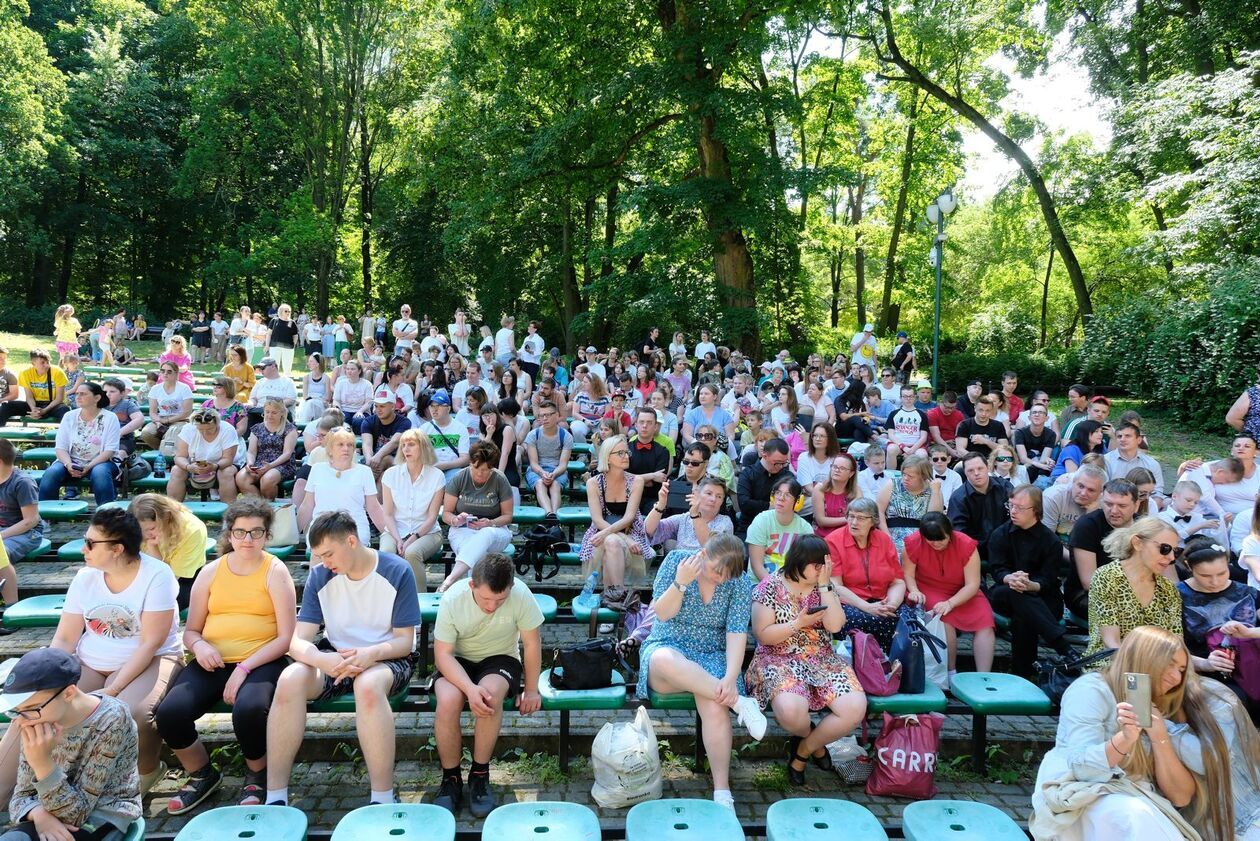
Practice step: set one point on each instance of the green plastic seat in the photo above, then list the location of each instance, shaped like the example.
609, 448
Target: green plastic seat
73, 551
40, 455
150, 483
531, 821
574, 515
684, 818
583, 449
124, 504
528, 515
576, 469
35, 475
282, 552
135, 832
44, 547
35, 612
571, 558
958, 820
671, 700
582, 613
994, 693
62, 510
207, 511
819, 819
931, 700
429, 606
274, 823
413, 821
345, 703
610, 698
22, 433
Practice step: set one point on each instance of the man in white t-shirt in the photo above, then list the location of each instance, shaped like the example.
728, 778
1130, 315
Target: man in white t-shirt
218, 338
366, 602
405, 329
705, 346
865, 347
505, 341
433, 341
448, 436
594, 366
472, 379
531, 351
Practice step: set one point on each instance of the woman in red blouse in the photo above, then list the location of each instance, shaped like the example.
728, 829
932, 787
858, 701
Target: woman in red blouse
942, 569
866, 574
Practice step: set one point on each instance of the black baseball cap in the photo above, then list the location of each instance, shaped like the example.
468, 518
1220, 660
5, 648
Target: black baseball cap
43, 668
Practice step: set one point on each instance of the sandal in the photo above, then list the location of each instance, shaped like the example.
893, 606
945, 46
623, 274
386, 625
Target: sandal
823, 763
795, 778
194, 792
254, 789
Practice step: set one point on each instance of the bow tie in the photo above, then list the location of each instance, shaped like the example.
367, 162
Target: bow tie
639, 445
877, 476
1181, 518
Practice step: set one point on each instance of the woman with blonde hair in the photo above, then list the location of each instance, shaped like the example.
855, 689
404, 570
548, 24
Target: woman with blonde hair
1004, 465
413, 491
177, 354
173, 535
616, 541
903, 501
1137, 587
1191, 774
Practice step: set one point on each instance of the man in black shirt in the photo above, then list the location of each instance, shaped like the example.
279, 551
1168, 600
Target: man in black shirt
1119, 505
979, 506
695, 466
981, 433
380, 434
1034, 444
1024, 560
648, 457
755, 481
967, 403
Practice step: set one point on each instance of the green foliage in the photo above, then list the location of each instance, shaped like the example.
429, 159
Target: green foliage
1169, 351
1053, 369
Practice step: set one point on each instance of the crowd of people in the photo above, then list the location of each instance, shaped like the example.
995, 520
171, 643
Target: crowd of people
790, 500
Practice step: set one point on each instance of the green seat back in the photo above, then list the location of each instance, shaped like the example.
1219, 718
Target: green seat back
994, 693
404, 821
958, 820
528, 515
35, 612
262, 823
819, 819
676, 820
671, 700
610, 698
534, 821
62, 510
931, 700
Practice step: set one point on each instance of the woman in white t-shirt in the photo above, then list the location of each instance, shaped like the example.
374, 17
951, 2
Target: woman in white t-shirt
170, 403
341, 485
413, 491
120, 620
353, 395
678, 347
207, 453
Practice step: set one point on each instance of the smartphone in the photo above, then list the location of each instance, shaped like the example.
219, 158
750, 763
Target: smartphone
1137, 692
805, 420
819, 609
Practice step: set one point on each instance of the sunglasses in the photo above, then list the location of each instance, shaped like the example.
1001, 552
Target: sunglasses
1005, 458
92, 543
940, 459
706, 436
1168, 551
690, 463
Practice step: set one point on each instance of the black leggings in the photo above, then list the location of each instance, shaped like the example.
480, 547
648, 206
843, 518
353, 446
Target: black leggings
25, 831
195, 691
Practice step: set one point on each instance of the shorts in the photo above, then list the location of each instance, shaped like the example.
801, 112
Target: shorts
503, 665
401, 669
532, 478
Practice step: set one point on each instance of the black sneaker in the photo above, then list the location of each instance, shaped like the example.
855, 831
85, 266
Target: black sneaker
480, 797
194, 792
450, 795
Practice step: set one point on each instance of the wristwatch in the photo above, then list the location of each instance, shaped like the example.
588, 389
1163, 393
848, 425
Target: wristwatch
826, 588
680, 587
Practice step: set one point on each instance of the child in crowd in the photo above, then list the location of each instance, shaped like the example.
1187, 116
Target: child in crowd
167, 332
871, 479
1183, 512
150, 380
752, 425
75, 375
105, 341
1223, 471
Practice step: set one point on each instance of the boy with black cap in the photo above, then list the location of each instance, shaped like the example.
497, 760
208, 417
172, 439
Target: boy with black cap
77, 775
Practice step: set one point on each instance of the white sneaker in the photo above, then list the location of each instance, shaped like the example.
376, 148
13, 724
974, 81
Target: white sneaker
750, 715
148, 781
724, 798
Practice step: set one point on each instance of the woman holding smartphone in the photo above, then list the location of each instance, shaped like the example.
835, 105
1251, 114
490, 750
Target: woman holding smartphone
1111, 776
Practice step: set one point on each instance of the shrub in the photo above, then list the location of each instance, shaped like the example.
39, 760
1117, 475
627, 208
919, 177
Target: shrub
1052, 369
1192, 357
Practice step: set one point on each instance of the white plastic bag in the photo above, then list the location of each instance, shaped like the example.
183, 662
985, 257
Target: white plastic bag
935, 671
627, 765
845, 749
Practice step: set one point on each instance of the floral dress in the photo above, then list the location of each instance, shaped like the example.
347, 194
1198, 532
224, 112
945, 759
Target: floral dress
231, 415
804, 664
905, 510
637, 532
698, 631
271, 445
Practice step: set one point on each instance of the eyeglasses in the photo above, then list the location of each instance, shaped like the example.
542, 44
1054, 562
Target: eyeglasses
690, 463
857, 518
1010, 506
1005, 458
620, 453
32, 714
1144, 496
253, 534
784, 495
92, 543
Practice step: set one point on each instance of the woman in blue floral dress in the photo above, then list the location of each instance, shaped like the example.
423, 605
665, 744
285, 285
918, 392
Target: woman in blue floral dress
703, 603
903, 501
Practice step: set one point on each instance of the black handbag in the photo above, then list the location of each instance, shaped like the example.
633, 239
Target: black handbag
542, 545
1055, 675
908, 643
587, 665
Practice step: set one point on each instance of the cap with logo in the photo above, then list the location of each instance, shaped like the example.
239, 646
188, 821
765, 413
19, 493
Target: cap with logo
440, 398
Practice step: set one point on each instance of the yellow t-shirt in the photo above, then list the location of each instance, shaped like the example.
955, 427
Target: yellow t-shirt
186, 553
37, 384
67, 330
4, 556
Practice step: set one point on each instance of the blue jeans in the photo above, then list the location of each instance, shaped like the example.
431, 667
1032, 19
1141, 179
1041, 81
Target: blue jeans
20, 545
101, 478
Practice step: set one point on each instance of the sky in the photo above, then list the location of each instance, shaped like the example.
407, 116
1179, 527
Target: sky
1060, 98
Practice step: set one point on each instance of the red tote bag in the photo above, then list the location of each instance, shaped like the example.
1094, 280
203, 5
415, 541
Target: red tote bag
905, 756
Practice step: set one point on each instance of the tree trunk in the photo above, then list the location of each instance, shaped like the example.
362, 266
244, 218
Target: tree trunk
1008, 146
568, 275
365, 205
1045, 297
856, 200
71, 239
732, 261
899, 218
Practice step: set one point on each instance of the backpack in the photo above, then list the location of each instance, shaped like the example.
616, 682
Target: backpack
542, 543
877, 675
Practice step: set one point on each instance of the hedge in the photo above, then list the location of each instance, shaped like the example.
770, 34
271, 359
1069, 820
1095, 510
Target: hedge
1053, 369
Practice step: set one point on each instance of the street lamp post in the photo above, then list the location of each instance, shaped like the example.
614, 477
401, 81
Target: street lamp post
936, 213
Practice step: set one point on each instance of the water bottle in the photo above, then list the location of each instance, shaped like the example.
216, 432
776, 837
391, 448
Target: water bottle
159, 466
587, 598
